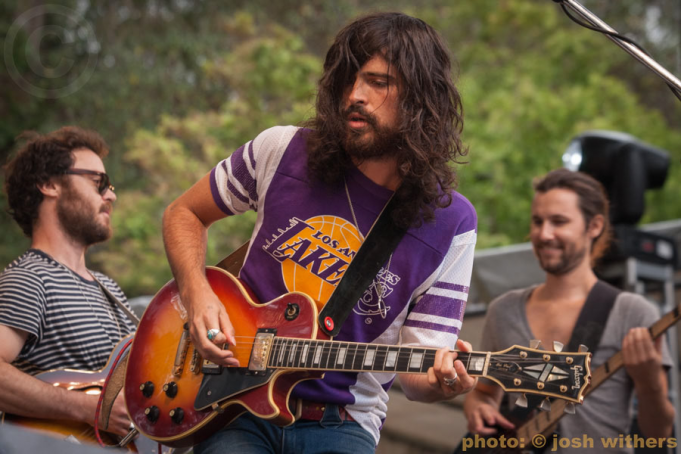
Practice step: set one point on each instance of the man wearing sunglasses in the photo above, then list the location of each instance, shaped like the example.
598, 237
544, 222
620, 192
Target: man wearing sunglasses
53, 312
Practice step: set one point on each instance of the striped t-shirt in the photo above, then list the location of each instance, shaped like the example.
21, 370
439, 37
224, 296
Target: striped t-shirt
69, 320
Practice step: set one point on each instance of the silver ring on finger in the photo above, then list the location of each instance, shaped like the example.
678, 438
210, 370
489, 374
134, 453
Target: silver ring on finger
212, 333
451, 382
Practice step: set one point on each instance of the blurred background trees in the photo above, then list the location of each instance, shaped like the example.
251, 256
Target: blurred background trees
174, 86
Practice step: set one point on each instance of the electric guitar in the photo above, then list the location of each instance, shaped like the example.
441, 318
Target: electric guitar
176, 398
89, 382
545, 422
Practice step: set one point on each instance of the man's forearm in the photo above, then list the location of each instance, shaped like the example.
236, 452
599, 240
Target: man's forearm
417, 388
24, 395
185, 237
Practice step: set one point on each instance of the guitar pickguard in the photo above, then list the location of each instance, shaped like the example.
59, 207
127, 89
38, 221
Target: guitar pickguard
228, 383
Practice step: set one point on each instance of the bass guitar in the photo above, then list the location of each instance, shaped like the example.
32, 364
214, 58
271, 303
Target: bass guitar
176, 398
90, 382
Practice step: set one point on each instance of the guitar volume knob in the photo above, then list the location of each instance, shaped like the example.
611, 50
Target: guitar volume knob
147, 389
170, 389
152, 413
176, 415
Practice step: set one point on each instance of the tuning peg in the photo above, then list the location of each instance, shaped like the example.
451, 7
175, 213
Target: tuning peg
535, 343
557, 346
570, 408
522, 401
583, 348
545, 405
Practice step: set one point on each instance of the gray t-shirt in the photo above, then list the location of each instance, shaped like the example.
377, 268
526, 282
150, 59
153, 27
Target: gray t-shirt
607, 412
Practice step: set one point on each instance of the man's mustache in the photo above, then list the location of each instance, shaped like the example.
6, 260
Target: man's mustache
355, 108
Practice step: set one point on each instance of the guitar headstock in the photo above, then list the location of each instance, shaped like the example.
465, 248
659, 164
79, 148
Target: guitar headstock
564, 375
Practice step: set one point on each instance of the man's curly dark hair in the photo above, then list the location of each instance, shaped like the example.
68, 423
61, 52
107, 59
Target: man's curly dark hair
430, 109
41, 158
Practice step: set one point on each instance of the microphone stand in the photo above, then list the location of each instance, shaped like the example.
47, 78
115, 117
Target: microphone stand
634, 51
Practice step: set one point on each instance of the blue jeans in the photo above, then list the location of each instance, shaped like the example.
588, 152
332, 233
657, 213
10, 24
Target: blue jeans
252, 435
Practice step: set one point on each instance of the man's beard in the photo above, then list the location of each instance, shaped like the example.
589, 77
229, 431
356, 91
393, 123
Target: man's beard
373, 141
569, 259
79, 220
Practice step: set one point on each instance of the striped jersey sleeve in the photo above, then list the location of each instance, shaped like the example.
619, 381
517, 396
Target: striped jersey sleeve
239, 183
437, 315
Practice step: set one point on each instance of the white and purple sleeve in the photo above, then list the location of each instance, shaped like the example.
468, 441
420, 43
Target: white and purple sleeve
239, 182
436, 317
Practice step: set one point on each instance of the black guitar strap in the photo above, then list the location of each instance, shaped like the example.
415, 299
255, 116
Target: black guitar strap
593, 317
381, 241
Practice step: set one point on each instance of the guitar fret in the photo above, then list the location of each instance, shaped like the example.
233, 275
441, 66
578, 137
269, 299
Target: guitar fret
317, 354
352, 351
403, 358
342, 351
275, 351
334, 348
282, 351
292, 354
304, 353
381, 355
328, 351
359, 358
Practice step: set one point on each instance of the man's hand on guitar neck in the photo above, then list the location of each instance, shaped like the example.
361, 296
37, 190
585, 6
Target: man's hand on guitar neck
206, 312
642, 358
447, 378
482, 410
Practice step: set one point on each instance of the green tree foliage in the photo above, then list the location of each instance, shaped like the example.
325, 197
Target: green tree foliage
178, 86
271, 81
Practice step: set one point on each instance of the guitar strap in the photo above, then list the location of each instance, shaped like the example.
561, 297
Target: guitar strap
133, 318
381, 241
111, 390
588, 330
593, 317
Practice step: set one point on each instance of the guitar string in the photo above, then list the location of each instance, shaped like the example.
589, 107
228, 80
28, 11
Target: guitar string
329, 347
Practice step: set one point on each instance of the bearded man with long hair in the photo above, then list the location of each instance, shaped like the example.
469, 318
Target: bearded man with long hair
387, 125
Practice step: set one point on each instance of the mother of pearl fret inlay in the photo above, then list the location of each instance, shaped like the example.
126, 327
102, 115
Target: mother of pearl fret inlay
476, 363
303, 355
292, 356
317, 354
369, 358
390, 359
341, 355
415, 360
281, 353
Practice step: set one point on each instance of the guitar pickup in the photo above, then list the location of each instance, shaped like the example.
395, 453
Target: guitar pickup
261, 350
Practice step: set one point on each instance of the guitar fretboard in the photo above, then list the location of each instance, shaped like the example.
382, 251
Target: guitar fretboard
289, 353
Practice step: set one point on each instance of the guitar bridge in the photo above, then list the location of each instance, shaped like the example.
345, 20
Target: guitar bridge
261, 350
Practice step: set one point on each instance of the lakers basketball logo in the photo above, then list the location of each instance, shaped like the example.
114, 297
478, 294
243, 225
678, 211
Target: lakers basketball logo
314, 254
372, 301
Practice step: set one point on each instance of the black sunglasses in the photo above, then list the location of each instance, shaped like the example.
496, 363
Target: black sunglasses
103, 184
